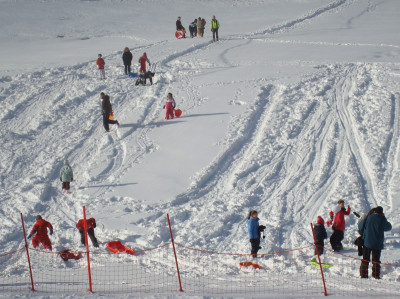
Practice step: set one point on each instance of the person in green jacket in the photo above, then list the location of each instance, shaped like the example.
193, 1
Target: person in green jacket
66, 176
214, 28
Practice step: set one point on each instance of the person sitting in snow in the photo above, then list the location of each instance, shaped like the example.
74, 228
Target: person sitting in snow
170, 105
90, 226
338, 226
66, 176
254, 230
320, 235
180, 27
40, 229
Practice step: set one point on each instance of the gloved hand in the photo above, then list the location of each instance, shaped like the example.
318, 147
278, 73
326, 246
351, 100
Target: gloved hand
30, 236
163, 107
94, 224
51, 232
262, 227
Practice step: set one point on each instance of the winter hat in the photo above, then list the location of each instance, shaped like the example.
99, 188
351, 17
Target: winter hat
38, 217
144, 54
379, 210
99, 55
331, 214
320, 220
66, 162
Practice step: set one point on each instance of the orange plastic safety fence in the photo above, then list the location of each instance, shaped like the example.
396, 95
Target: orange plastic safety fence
14, 272
344, 277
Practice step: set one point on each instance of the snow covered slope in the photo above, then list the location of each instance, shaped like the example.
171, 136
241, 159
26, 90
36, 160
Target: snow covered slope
295, 107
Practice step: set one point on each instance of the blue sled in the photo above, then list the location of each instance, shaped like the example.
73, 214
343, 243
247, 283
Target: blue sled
133, 75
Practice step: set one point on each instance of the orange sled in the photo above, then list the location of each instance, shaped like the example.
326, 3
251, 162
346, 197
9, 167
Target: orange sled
117, 247
178, 112
198, 32
111, 117
70, 255
248, 264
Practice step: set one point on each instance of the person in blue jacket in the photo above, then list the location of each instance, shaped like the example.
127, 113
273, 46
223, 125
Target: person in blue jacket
373, 228
254, 230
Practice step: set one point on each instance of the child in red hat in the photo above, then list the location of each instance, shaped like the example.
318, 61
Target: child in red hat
320, 235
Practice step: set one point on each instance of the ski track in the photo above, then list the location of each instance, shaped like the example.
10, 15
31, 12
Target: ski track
311, 124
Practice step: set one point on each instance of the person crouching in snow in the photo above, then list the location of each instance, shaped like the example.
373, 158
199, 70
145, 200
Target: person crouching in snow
254, 230
169, 106
320, 235
66, 176
100, 64
148, 75
40, 229
339, 226
90, 226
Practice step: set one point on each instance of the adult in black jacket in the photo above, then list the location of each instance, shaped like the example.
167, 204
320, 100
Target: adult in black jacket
320, 235
180, 27
127, 58
107, 110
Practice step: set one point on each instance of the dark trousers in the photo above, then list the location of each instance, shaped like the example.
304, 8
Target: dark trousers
127, 69
320, 247
376, 268
151, 81
336, 239
215, 33
106, 121
201, 31
90, 232
255, 246
65, 185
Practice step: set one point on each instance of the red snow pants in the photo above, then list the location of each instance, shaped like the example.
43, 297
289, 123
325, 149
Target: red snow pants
41, 239
169, 110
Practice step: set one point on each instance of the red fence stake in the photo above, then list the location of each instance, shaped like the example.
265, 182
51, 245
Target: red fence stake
176, 259
87, 250
319, 259
27, 251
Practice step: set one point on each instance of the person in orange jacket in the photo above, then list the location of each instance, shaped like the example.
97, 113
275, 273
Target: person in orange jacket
142, 61
100, 64
90, 225
338, 227
40, 229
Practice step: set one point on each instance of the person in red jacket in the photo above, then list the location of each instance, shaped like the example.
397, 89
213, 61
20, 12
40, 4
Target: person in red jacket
40, 229
338, 227
330, 221
100, 64
142, 61
169, 106
90, 225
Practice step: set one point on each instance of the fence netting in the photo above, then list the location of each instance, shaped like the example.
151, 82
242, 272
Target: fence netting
153, 271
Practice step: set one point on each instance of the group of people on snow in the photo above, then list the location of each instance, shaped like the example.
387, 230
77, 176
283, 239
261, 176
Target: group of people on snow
42, 228
198, 25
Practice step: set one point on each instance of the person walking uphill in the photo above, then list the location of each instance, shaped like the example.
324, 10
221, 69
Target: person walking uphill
90, 226
127, 59
254, 230
100, 64
169, 106
40, 229
373, 227
107, 110
214, 28
66, 176
142, 61
338, 226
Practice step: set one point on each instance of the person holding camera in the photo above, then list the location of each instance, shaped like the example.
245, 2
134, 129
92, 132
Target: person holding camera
338, 226
254, 230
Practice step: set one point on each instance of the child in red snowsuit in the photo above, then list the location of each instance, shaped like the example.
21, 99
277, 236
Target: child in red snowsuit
169, 106
100, 64
40, 229
142, 61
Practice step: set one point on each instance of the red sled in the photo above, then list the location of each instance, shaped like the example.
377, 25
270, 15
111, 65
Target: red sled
117, 247
248, 264
178, 112
179, 34
70, 255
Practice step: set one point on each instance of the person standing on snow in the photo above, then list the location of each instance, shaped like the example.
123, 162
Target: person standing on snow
201, 23
373, 228
100, 64
254, 230
40, 229
169, 106
90, 226
214, 28
180, 27
320, 235
107, 110
142, 61
338, 226
66, 176
193, 28
127, 59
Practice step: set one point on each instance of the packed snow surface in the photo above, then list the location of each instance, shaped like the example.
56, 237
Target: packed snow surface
295, 107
